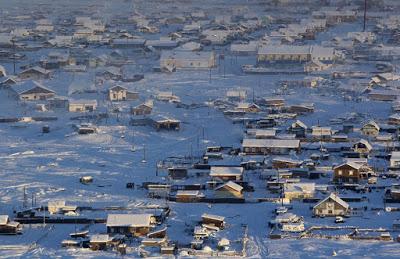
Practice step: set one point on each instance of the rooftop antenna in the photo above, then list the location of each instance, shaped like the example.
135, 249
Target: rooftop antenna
365, 14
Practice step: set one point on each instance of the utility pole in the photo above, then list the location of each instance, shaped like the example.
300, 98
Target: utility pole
25, 204
365, 14
14, 53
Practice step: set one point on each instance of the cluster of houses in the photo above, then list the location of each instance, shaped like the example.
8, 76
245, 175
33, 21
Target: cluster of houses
90, 68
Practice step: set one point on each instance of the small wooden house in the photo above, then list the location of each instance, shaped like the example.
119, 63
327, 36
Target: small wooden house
130, 224
370, 128
119, 93
213, 220
9, 227
269, 146
99, 242
348, 172
33, 91
82, 105
248, 108
229, 190
188, 196
223, 173
298, 128
362, 146
284, 162
142, 109
34, 73
294, 191
321, 133
166, 124
331, 206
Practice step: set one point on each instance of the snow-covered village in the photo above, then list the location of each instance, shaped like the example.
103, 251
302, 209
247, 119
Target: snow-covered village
199, 129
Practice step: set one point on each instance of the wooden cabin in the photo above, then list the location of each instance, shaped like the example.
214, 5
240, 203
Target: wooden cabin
348, 172
224, 173
119, 93
99, 242
270, 146
188, 196
130, 224
214, 220
370, 128
142, 109
34, 73
229, 190
9, 227
331, 206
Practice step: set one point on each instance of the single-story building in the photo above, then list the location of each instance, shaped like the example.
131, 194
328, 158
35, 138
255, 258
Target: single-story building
142, 109
33, 91
299, 190
269, 146
34, 73
82, 105
119, 93
130, 224
229, 190
224, 173
9, 227
171, 60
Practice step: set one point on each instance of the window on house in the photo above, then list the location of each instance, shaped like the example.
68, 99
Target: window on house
351, 172
340, 172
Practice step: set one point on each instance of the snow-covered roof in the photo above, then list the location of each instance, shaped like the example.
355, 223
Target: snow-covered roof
272, 143
212, 216
225, 171
83, 101
356, 166
29, 87
186, 55
334, 198
99, 239
128, 220
231, 185
187, 193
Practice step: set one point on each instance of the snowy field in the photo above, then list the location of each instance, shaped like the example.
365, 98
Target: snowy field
49, 166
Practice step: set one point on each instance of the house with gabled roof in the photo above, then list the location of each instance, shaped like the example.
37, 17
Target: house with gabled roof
34, 73
298, 128
143, 109
299, 190
248, 107
9, 227
331, 206
348, 172
229, 189
362, 146
371, 128
120, 93
32, 91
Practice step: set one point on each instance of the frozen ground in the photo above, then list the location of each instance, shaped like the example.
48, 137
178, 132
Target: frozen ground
50, 165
